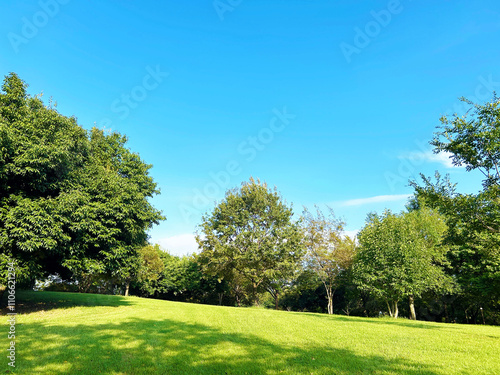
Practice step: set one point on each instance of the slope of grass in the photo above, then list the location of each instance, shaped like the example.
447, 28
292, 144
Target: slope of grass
66, 333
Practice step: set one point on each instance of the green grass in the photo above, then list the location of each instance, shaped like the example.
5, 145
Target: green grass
67, 333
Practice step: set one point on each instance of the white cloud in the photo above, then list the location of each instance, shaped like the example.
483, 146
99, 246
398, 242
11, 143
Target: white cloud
377, 199
181, 244
443, 158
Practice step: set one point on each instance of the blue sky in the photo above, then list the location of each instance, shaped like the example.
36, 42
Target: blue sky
332, 102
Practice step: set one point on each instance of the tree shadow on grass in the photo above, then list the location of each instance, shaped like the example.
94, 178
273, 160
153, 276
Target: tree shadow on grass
387, 321
28, 301
144, 346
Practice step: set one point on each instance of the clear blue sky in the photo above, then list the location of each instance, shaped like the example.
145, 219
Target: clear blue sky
333, 102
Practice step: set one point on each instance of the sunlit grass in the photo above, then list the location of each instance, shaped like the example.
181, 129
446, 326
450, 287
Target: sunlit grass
65, 333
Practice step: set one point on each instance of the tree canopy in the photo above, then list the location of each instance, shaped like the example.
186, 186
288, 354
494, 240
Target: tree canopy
251, 237
400, 256
473, 140
68, 197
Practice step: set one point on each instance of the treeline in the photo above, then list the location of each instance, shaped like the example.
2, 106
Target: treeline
74, 208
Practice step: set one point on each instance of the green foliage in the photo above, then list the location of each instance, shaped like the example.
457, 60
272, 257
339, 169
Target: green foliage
180, 274
150, 268
306, 293
473, 235
473, 220
250, 240
68, 198
182, 279
400, 256
473, 140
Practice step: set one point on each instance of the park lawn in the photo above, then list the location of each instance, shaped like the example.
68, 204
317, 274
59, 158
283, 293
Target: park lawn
71, 333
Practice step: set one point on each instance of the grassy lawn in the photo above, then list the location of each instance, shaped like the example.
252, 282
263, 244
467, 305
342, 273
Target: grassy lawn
68, 333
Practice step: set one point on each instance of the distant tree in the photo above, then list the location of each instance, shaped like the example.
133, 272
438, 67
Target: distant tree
329, 253
306, 293
251, 236
150, 269
401, 256
182, 279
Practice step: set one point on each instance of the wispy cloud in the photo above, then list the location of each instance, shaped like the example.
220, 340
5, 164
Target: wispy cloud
444, 158
182, 244
377, 199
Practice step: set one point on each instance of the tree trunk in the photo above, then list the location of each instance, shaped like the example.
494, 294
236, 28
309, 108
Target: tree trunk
329, 294
393, 309
127, 288
413, 316
255, 287
389, 308
276, 301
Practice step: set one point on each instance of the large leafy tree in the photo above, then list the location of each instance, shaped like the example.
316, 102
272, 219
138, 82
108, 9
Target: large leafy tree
251, 237
39, 151
472, 141
401, 256
329, 252
68, 198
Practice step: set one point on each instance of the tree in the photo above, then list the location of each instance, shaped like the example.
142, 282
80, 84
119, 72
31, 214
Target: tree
69, 199
306, 293
473, 220
281, 281
473, 140
401, 256
182, 279
250, 237
328, 252
146, 270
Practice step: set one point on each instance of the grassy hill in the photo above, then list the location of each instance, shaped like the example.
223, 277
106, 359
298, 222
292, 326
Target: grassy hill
67, 333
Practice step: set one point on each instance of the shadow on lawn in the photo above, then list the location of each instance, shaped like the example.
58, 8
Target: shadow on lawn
28, 301
388, 321
143, 346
